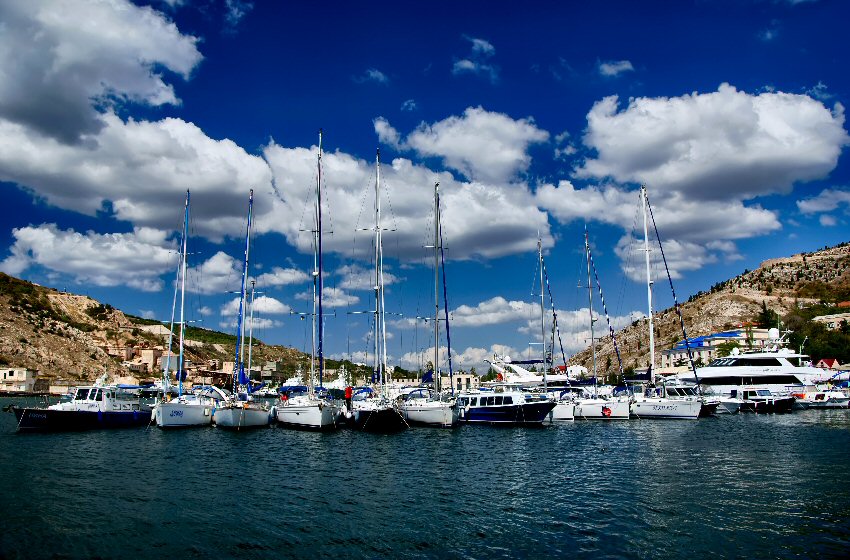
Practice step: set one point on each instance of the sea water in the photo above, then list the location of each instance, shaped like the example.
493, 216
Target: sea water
744, 486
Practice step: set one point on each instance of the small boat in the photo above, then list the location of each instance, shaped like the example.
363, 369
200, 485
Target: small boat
372, 410
564, 411
504, 405
187, 409
598, 408
92, 407
812, 397
312, 408
375, 412
420, 406
762, 400
301, 408
241, 410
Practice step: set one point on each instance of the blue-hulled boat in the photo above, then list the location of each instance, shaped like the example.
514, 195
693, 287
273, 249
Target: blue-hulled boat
92, 407
503, 405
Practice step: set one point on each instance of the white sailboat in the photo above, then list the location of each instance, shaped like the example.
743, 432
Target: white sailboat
423, 406
376, 412
241, 410
597, 407
190, 409
654, 403
312, 409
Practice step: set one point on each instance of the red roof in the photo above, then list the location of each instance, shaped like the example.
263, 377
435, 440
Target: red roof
827, 363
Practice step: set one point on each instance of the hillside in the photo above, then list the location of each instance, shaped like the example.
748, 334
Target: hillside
782, 285
72, 337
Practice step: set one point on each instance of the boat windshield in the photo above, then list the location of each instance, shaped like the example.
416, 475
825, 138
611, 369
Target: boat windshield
82, 394
763, 393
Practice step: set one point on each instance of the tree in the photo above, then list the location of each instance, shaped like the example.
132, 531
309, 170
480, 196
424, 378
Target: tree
767, 318
726, 348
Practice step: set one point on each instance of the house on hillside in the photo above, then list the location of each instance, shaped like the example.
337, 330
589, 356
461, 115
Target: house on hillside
704, 348
17, 380
828, 363
833, 322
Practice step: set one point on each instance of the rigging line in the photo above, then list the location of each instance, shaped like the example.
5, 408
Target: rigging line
675, 300
557, 328
605, 309
446, 307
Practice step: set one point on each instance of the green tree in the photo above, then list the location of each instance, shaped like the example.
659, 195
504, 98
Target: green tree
726, 348
767, 318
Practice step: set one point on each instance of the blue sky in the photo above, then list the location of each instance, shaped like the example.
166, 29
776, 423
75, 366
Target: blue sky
540, 119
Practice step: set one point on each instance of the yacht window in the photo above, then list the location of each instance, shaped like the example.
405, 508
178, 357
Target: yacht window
491, 401
672, 392
97, 395
498, 400
82, 394
473, 401
509, 400
763, 393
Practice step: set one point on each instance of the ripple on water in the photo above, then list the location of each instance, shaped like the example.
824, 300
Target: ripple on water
756, 486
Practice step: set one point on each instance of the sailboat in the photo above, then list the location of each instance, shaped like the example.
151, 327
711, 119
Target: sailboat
372, 409
193, 409
241, 410
312, 409
597, 407
654, 403
422, 405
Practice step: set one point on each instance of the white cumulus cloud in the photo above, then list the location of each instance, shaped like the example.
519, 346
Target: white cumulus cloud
112, 259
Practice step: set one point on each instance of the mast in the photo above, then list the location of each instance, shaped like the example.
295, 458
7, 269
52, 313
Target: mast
590, 305
542, 310
166, 368
251, 329
238, 364
182, 296
319, 267
436, 287
377, 287
648, 287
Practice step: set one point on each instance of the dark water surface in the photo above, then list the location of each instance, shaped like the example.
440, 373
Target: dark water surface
732, 487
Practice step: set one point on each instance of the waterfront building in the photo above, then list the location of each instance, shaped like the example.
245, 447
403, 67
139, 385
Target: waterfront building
704, 348
833, 322
18, 380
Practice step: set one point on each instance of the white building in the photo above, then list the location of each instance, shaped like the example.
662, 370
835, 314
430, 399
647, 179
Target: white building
19, 380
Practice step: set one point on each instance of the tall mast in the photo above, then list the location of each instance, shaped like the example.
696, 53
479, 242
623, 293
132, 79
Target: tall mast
377, 358
238, 364
182, 295
251, 329
319, 268
437, 379
542, 310
590, 305
648, 287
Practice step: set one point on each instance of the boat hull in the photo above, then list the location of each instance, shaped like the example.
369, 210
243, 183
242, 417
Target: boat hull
238, 417
563, 412
182, 415
526, 414
600, 409
50, 420
313, 416
672, 409
430, 413
379, 420
769, 406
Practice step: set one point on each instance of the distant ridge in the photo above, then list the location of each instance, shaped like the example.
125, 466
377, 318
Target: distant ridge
781, 284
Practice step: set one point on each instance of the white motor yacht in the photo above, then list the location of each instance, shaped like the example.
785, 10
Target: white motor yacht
420, 406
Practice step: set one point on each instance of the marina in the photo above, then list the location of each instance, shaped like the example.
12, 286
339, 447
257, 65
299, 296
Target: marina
746, 485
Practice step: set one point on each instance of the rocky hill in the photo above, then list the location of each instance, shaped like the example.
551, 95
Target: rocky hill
75, 337
781, 284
